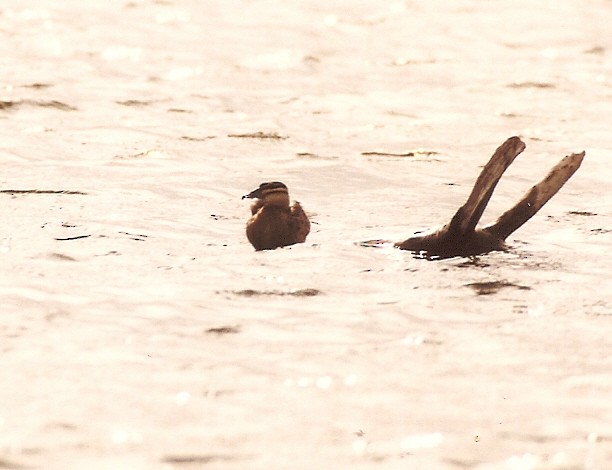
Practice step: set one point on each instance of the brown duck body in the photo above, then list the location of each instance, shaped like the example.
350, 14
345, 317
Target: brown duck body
274, 223
272, 226
461, 238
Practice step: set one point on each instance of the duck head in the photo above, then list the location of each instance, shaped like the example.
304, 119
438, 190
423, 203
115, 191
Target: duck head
273, 193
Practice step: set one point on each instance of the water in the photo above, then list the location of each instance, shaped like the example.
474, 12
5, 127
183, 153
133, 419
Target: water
140, 330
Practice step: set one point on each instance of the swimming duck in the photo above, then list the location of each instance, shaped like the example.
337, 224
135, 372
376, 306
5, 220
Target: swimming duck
274, 222
460, 238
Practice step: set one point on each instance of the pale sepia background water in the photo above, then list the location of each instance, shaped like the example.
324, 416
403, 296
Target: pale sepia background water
139, 329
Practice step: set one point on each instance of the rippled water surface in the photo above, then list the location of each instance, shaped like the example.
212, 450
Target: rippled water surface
140, 330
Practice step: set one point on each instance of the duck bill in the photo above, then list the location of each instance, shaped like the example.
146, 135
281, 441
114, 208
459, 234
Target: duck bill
255, 194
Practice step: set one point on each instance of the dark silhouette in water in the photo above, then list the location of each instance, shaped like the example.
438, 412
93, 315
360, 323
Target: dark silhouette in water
274, 222
461, 238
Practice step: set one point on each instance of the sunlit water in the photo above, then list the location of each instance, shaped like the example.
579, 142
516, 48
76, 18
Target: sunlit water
140, 330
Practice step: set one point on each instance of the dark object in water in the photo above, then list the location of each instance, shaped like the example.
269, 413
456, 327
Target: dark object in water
39, 191
274, 223
460, 238
224, 330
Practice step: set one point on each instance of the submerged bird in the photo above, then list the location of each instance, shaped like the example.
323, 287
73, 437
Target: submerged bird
274, 222
460, 238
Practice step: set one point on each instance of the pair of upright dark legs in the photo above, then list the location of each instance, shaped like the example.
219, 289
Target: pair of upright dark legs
274, 223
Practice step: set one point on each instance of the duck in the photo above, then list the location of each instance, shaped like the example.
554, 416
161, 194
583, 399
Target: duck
460, 237
274, 222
